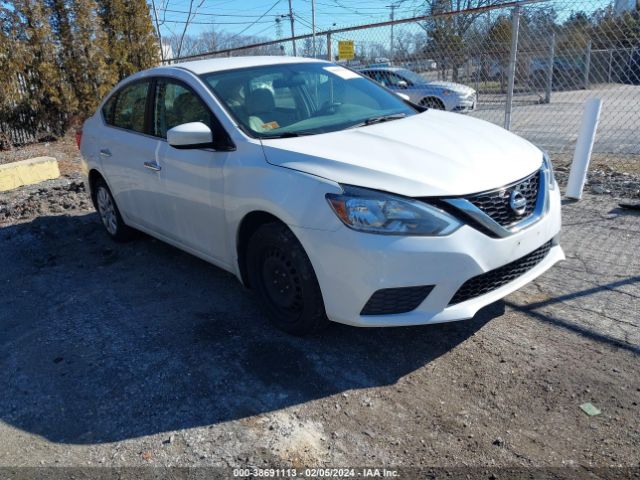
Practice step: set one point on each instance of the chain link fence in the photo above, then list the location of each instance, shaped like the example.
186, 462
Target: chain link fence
532, 64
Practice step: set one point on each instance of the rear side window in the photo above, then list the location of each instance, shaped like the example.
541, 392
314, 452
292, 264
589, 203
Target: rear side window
130, 107
176, 104
107, 110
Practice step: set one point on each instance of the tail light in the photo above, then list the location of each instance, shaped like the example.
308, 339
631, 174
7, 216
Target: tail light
78, 137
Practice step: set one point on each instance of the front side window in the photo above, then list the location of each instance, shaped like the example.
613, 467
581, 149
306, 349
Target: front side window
394, 79
412, 77
130, 108
301, 99
384, 77
176, 104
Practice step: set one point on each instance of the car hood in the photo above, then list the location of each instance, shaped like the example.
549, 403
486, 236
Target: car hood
454, 87
434, 153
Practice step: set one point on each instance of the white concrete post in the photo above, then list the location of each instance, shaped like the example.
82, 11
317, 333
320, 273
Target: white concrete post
584, 147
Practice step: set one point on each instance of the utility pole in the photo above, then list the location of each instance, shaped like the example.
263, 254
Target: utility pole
587, 65
293, 33
157, 22
313, 27
393, 7
279, 33
515, 28
392, 17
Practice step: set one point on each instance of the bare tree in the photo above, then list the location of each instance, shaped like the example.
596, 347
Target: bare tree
158, 23
193, 11
447, 34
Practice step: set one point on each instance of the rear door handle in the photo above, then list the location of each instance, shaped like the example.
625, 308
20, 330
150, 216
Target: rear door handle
152, 165
105, 152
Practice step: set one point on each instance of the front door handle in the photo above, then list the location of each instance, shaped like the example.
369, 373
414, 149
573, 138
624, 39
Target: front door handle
105, 152
152, 165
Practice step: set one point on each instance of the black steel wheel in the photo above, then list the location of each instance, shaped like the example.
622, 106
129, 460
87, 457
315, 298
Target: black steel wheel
280, 272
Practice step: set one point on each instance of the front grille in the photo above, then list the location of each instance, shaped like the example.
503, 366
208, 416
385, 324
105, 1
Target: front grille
496, 203
396, 300
489, 281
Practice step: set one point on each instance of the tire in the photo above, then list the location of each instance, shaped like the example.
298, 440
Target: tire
109, 213
282, 276
432, 102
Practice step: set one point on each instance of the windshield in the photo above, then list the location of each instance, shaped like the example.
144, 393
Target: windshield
302, 99
411, 76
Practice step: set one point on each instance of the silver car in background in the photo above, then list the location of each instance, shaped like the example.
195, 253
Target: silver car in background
450, 96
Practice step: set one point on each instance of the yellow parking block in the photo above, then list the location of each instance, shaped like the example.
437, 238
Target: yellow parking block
27, 172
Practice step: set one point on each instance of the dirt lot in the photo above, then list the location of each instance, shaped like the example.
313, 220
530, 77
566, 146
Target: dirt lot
139, 354
64, 149
555, 126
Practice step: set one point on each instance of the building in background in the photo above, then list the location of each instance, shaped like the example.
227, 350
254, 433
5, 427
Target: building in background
167, 52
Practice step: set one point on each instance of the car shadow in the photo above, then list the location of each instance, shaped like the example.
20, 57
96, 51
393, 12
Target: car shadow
104, 342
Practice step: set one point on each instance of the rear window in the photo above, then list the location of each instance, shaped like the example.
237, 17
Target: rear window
130, 107
107, 109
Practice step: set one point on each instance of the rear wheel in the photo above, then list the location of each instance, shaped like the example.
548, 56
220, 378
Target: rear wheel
283, 278
109, 213
432, 102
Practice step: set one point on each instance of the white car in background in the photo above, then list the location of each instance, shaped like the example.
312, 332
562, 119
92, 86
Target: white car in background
331, 197
441, 95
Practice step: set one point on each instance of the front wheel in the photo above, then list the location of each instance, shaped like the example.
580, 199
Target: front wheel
432, 102
282, 276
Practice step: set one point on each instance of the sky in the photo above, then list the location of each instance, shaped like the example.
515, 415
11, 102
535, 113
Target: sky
258, 17
246, 16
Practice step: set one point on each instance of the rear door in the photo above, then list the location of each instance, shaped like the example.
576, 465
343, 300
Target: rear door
126, 148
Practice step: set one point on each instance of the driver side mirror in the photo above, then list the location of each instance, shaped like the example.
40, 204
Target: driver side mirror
402, 84
190, 135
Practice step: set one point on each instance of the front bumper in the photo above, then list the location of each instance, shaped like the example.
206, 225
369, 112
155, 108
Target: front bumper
466, 104
351, 266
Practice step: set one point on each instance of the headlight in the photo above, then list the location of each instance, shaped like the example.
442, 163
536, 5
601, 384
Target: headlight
548, 167
377, 212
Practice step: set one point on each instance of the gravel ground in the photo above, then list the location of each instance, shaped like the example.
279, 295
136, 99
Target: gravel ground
66, 194
603, 179
140, 355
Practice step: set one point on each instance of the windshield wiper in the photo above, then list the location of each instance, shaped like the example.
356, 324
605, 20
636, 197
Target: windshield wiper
379, 119
290, 134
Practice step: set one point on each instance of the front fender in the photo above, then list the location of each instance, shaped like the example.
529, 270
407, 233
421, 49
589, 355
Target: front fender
295, 198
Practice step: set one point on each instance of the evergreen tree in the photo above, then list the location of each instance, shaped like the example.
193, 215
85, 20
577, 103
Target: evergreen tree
92, 51
10, 66
82, 52
9, 58
47, 94
67, 58
131, 39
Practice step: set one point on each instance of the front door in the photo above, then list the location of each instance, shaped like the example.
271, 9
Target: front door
192, 179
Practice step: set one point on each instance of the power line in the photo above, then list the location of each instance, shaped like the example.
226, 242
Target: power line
262, 31
191, 22
216, 14
255, 22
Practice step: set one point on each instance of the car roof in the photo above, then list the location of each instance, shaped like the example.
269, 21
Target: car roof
229, 63
387, 69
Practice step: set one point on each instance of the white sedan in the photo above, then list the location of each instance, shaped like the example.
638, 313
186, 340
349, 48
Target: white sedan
331, 197
441, 95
